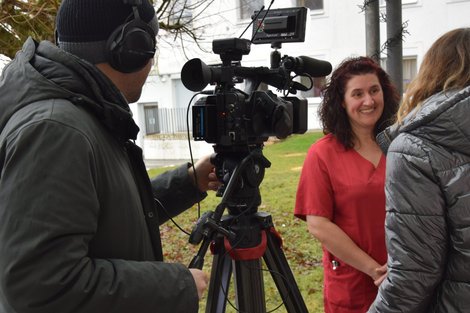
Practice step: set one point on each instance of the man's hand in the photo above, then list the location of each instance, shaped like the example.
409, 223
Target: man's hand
201, 279
205, 172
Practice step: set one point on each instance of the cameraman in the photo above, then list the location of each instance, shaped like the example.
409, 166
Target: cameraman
78, 221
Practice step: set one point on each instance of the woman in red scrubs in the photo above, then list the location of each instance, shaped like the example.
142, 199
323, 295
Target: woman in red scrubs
341, 188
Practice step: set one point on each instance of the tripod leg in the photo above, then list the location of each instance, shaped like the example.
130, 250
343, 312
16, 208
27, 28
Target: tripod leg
250, 286
220, 280
282, 275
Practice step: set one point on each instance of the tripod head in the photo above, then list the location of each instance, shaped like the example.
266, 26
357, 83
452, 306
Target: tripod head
241, 172
250, 165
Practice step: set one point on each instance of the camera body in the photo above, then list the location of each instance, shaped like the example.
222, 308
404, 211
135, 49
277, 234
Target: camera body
233, 117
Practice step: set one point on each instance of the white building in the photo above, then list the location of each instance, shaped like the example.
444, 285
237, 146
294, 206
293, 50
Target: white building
335, 30
3, 61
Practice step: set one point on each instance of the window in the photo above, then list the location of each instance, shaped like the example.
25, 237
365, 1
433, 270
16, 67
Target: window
151, 119
311, 4
382, 3
315, 91
248, 7
180, 12
410, 69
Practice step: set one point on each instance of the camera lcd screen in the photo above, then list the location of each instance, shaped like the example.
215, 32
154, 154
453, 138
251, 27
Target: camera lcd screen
280, 25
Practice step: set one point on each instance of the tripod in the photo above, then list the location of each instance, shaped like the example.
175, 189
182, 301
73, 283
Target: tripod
240, 239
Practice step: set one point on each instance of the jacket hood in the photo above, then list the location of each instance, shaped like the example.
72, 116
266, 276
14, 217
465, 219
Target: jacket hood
43, 71
443, 119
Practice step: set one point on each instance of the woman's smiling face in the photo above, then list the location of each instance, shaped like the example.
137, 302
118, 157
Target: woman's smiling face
363, 101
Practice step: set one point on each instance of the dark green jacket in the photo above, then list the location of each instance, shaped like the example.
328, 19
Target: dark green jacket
78, 223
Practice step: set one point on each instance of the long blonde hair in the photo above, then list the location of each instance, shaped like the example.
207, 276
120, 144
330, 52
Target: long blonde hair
446, 66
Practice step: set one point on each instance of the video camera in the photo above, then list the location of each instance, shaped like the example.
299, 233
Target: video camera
238, 122
231, 118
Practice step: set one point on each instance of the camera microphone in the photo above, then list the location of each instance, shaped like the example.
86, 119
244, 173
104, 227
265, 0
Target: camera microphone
306, 65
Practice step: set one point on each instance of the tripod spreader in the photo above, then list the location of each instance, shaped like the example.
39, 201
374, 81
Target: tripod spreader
204, 226
256, 239
205, 229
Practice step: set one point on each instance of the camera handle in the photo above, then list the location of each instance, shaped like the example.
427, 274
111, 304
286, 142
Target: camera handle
240, 239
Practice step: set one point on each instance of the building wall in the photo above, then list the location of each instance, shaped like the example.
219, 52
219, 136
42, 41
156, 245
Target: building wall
333, 34
4, 60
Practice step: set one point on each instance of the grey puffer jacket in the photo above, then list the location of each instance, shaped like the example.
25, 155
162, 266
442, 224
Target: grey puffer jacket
78, 221
428, 209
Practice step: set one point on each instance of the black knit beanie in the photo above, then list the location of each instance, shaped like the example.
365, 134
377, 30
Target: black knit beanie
83, 26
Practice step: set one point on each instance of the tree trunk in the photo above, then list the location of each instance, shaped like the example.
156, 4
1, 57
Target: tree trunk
373, 30
395, 43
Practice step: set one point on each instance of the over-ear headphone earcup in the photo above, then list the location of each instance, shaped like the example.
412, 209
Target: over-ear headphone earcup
131, 46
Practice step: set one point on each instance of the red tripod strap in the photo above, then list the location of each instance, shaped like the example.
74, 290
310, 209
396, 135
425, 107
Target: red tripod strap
245, 254
273, 231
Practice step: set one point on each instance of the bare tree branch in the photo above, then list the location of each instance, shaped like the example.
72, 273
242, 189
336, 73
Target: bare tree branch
20, 19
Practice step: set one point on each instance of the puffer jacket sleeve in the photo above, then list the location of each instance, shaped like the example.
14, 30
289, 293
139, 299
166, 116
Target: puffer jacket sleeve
416, 230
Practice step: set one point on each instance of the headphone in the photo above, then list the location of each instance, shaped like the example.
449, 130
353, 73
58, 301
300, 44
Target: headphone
131, 45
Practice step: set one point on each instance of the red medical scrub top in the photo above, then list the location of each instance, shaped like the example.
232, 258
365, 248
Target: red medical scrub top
346, 188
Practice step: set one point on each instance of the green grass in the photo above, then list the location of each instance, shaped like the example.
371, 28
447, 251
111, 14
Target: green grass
278, 190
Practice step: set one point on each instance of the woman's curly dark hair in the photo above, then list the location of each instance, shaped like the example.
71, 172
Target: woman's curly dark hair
333, 116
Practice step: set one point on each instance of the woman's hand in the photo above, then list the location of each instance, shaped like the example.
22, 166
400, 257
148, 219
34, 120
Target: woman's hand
381, 274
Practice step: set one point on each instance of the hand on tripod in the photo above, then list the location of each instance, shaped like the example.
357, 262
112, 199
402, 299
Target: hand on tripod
201, 279
203, 174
